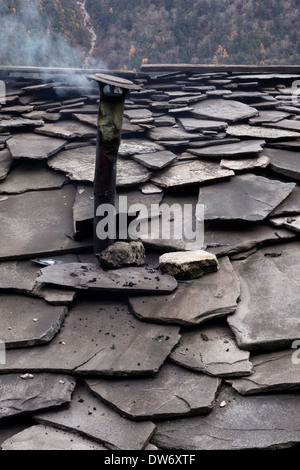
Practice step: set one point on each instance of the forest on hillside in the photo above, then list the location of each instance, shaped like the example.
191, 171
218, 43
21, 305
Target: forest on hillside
196, 31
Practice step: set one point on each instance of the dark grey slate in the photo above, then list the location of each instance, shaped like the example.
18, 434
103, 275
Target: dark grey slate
285, 162
241, 149
277, 371
223, 110
245, 197
193, 124
42, 391
91, 418
192, 173
244, 423
34, 146
213, 350
172, 392
47, 438
112, 342
172, 133
31, 177
286, 124
157, 160
267, 315
213, 295
68, 130
51, 214
26, 321
287, 144
93, 277
130, 173
6, 163
268, 116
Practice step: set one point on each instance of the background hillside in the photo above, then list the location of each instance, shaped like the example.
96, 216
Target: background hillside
129, 32
196, 31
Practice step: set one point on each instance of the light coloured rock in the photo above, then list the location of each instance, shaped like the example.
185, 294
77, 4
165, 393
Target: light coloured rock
245, 164
188, 264
123, 254
223, 110
292, 222
245, 130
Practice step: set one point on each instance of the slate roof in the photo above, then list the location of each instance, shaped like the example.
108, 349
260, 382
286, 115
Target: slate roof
134, 360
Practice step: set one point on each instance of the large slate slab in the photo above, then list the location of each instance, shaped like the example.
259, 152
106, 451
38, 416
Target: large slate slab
42, 437
286, 124
110, 341
89, 417
268, 116
271, 372
191, 173
259, 132
130, 147
6, 163
213, 295
34, 146
31, 177
246, 148
245, 164
290, 206
37, 223
93, 277
285, 162
26, 321
245, 423
131, 173
290, 222
246, 197
42, 391
157, 160
193, 124
172, 392
267, 316
68, 130
7, 124
172, 133
234, 239
78, 163
223, 110
213, 350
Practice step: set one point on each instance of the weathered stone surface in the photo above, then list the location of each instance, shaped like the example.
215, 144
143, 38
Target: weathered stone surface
6, 163
130, 173
271, 372
149, 188
51, 214
268, 116
123, 254
42, 437
91, 276
286, 124
78, 163
213, 295
284, 161
19, 122
42, 391
242, 149
188, 264
260, 422
89, 417
90, 119
212, 350
31, 177
287, 144
244, 130
231, 240
34, 146
112, 342
193, 124
247, 164
157, 160
267, 316
26, 321
139, 114
164, 120
191, 173
223, 110
172, 133
130, 147
246, 197
68, 130
172, 392
290, 222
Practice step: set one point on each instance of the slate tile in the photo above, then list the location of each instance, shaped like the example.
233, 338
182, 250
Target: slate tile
157, 160
6, 163
290, 222
245, 164
172, 392
193, 124
67, 130
108, 340
241, 149
285, 162
244, 423
78, 163
129, 147
172, 133
260, 132
212, 349
40, 392
223, 110
264, 319
213, 295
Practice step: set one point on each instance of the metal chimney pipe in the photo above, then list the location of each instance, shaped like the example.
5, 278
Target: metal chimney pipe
113, 91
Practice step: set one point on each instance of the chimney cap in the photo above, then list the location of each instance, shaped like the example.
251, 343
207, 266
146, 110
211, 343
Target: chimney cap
114, 81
